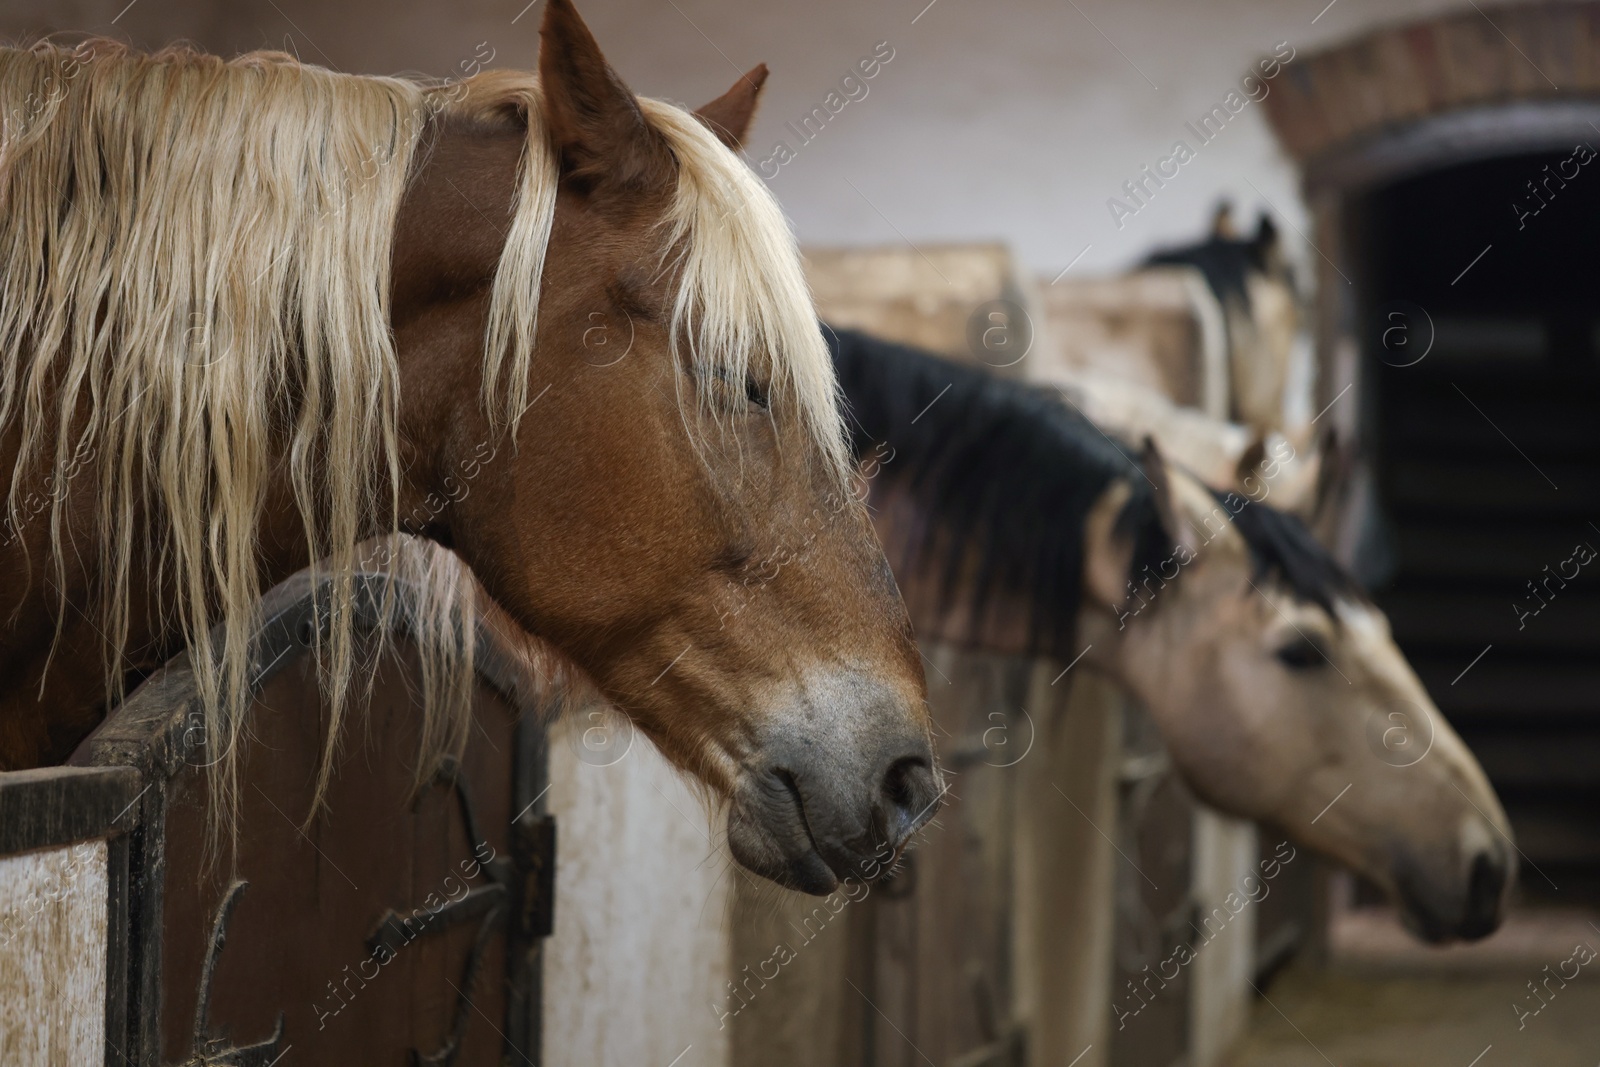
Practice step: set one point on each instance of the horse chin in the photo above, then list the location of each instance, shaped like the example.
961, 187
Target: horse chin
1424, 924
780, 849
1428, 927
834, 790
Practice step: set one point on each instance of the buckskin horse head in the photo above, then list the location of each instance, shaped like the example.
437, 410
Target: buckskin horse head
1015, 525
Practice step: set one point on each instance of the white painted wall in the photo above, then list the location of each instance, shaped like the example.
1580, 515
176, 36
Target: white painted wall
53, 956
640, 951
1014, 120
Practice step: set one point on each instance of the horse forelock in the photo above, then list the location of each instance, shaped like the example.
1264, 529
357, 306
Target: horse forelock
1283, 550
1228, 264
742, 304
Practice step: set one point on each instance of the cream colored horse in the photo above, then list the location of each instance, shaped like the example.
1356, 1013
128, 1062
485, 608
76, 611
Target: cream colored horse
1304, 715
1200, 348
1015, 525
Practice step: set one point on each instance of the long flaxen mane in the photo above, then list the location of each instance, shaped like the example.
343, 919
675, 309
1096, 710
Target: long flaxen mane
196, 291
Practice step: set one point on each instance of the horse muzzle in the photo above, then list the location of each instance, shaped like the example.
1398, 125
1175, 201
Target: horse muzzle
810, 822
1468, 905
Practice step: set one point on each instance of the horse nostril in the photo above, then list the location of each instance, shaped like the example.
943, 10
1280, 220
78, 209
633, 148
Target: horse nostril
1486, 883
897, 784
910, 796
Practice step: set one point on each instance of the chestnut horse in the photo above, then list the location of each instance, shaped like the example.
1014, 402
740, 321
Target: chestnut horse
1017, 526
255, 312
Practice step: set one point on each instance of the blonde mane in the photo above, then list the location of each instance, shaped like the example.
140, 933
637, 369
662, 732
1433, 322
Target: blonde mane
197, 292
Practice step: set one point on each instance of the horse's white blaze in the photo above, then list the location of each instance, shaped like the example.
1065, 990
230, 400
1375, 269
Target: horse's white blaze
1366, 623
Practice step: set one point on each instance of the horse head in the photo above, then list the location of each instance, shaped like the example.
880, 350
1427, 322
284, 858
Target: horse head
1282, 697
669, 501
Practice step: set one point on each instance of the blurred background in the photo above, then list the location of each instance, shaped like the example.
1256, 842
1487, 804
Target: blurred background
1015, 122
1429, 168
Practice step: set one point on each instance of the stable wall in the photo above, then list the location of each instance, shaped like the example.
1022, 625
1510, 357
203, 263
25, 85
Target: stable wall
1013, 121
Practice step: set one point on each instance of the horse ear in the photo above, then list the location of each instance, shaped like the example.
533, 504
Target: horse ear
1250, 460
593, 118
1107, 554
1335, 470
1266, 232
1155, 469
1222, 221
729, 115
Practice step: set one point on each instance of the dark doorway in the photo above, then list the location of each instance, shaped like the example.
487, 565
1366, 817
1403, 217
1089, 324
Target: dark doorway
1487, 455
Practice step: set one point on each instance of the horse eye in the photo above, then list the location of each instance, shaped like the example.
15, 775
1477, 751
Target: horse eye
724, 387
754, 393
1301, 654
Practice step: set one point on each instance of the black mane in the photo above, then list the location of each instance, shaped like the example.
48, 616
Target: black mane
1014, 470
1282, 548
997, 464
1226, 263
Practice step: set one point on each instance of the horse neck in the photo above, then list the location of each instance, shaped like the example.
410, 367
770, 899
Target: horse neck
942, 611
453, 221
449, 235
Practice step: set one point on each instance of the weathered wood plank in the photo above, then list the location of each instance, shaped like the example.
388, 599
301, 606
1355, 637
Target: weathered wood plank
644, 895
53, 956
272, 946
52, 806
1067, 867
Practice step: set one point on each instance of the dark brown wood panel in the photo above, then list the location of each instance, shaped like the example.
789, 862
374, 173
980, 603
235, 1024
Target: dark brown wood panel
940, 972
363, 932
400, 925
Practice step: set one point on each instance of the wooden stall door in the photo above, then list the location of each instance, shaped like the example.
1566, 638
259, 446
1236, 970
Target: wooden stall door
399, 926
63, 886
371, 934
1154, 907
937, 961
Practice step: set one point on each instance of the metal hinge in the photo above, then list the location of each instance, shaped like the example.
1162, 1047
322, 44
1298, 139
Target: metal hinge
533, 852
